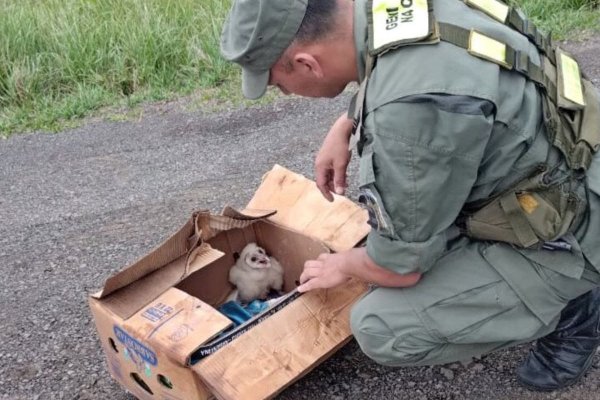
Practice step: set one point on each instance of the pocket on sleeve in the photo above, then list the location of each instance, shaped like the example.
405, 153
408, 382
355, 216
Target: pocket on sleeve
370, 199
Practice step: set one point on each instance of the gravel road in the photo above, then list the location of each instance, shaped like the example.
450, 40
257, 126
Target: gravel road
77, 206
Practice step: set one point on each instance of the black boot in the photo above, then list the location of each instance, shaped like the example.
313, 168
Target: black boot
561, 358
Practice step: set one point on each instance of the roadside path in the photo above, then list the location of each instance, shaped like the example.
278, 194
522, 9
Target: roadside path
77, 206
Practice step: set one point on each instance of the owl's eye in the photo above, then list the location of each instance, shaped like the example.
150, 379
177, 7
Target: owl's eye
253, 259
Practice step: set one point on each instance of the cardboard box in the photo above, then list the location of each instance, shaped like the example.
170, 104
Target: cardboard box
157, 318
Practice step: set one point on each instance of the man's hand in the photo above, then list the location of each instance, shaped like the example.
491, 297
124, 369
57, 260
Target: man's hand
325, 272
333, 158
331, 270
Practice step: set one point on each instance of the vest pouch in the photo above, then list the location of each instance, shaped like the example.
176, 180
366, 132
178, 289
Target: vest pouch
532, 214
490, 223
573, 122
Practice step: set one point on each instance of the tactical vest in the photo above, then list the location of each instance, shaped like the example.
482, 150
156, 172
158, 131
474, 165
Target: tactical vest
536, 210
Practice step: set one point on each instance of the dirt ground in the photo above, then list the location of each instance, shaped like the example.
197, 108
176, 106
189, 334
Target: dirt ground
79, 205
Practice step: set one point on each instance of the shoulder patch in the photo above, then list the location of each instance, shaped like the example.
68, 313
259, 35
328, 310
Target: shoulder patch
397, 22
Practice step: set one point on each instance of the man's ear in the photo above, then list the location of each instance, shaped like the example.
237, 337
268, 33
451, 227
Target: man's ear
308, 64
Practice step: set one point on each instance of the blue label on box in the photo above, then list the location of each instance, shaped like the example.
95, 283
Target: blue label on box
133, 345
157, 312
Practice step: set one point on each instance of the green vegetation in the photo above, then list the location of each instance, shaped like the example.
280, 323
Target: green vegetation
62, 59
59, 59
564, 18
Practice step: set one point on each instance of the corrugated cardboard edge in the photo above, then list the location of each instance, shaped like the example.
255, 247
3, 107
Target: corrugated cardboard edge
340, 224
209, 225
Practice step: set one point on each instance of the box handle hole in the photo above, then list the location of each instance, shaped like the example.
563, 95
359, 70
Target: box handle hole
113, 345
166, 382
141, 382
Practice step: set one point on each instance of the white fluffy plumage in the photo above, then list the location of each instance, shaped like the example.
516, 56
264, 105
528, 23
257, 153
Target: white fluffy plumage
255, 273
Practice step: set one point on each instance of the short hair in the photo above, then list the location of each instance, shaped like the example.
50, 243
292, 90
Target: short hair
319, 20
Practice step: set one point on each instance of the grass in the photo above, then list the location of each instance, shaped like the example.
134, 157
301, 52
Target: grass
566, 19
60, 60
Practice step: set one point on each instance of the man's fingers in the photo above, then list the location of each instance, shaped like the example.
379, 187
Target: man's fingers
322, 257
305, 278
309, 278
312, 269
311, 264
306, 287
339, 178
323, 180
340, 189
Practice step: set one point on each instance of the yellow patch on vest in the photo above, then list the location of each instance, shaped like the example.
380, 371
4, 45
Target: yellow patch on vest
528, 203
494, 8
571, 80
398, 21
490, 49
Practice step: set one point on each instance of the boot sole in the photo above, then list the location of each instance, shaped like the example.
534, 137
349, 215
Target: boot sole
586, 367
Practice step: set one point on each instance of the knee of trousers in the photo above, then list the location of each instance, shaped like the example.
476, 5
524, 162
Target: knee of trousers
393, 335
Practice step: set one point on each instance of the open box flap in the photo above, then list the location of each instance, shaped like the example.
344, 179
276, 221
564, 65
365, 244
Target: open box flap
127, 301
207, 225
169, 251
178, 257
340, 224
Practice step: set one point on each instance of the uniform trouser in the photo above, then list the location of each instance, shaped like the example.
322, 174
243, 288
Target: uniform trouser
459, 309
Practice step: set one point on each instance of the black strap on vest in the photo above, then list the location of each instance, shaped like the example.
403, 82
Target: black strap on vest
516, 20
515, 60
527, 28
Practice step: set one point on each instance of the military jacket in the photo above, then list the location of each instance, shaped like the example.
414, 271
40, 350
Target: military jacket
441, 129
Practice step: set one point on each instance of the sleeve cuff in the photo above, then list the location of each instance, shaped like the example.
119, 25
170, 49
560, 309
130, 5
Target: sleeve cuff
405, 257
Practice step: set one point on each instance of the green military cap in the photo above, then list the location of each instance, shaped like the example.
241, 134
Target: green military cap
255, 35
